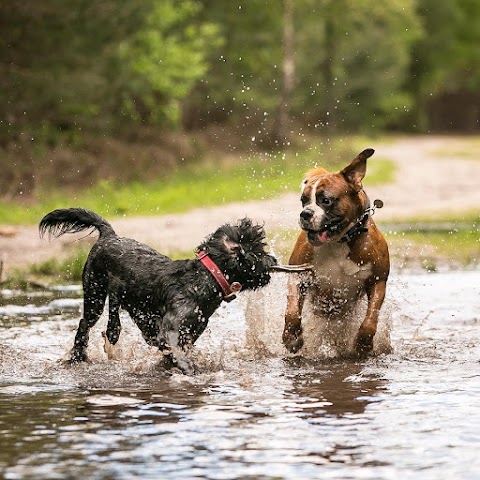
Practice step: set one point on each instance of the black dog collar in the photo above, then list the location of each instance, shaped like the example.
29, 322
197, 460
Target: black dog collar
359, 227
229, 290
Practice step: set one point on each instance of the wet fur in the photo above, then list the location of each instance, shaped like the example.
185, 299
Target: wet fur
343, 272
169, 300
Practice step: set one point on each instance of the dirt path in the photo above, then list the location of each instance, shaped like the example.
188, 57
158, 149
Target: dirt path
427, 182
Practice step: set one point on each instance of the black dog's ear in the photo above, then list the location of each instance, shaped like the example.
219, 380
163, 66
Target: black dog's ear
355, 172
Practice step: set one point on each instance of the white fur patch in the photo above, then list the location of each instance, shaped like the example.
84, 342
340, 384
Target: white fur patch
303, 185
313, 194
318, 212
335, 271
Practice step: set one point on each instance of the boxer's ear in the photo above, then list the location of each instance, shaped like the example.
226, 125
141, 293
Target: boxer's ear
355, 172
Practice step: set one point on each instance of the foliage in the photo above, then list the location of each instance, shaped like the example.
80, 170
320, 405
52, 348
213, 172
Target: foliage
70, 66
244, 76
445, 59
79, 68
78, 64
366, 82
355, 56
162, 61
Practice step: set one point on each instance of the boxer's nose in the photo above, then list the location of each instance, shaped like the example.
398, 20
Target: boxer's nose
306, 215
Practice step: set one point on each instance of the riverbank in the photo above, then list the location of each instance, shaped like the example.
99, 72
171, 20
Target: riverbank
435, 179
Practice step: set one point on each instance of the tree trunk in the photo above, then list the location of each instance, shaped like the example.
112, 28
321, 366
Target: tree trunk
328, 68
281, 125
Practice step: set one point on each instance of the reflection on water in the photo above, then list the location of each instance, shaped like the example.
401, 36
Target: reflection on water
411, 414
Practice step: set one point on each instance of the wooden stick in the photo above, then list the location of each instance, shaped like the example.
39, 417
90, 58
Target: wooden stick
304, 267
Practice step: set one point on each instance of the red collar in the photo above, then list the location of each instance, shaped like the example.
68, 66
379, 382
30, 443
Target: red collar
229, 290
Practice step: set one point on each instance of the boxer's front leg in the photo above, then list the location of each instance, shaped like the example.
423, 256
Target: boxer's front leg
368, 328
292, 333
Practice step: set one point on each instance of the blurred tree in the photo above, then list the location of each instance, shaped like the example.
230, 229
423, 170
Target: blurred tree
81, 64
353, 63
68, 64
445, 71
68, 67
351, 60
280, 134
160, 63
54, 55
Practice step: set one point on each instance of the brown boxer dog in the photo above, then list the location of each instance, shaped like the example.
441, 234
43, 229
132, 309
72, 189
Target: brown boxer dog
349, 254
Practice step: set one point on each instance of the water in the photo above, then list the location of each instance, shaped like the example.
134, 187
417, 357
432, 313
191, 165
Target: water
252, 412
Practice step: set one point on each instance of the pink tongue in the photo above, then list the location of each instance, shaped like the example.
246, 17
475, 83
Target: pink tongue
322, 237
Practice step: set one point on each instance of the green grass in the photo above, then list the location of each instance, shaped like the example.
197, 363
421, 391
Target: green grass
456, 248
66, 270
208, 184
452, 239
55, 271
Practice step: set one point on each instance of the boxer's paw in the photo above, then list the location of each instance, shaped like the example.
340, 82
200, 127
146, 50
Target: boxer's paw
293, 338
364, 342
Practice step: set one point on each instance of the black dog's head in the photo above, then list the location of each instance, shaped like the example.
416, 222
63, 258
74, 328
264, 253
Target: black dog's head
239, 250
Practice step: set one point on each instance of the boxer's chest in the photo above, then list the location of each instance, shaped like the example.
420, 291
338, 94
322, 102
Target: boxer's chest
334, 270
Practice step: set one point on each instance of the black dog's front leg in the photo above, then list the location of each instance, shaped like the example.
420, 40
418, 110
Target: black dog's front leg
79, 351
177, 334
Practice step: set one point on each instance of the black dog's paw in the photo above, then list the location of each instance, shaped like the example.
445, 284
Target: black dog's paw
186, 366
113, 333
77, 358
178, 362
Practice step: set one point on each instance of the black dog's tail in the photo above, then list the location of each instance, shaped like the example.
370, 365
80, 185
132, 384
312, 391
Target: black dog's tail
73, 220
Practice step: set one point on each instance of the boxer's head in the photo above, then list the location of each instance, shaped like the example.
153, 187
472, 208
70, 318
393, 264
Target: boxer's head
333, 202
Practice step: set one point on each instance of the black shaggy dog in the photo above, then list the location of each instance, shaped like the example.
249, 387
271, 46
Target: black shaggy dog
170, 301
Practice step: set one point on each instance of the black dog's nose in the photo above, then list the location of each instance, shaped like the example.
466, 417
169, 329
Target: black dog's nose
306, 215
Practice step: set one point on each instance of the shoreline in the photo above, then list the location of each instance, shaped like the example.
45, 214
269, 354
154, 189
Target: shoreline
426, 185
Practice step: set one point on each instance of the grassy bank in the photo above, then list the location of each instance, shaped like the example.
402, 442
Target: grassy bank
213, 180
437, 242
65, 271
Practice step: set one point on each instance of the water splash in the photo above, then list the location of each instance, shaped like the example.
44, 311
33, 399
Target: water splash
324, 337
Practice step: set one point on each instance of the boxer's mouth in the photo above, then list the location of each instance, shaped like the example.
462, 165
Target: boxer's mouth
318, 238
326, 234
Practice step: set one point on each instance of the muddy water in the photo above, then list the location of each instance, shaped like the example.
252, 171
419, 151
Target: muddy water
251, 411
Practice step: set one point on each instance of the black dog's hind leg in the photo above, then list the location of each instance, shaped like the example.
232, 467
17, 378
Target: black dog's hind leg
114, 327
94, 297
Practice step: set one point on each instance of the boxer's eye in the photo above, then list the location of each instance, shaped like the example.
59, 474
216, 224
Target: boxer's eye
326, 201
